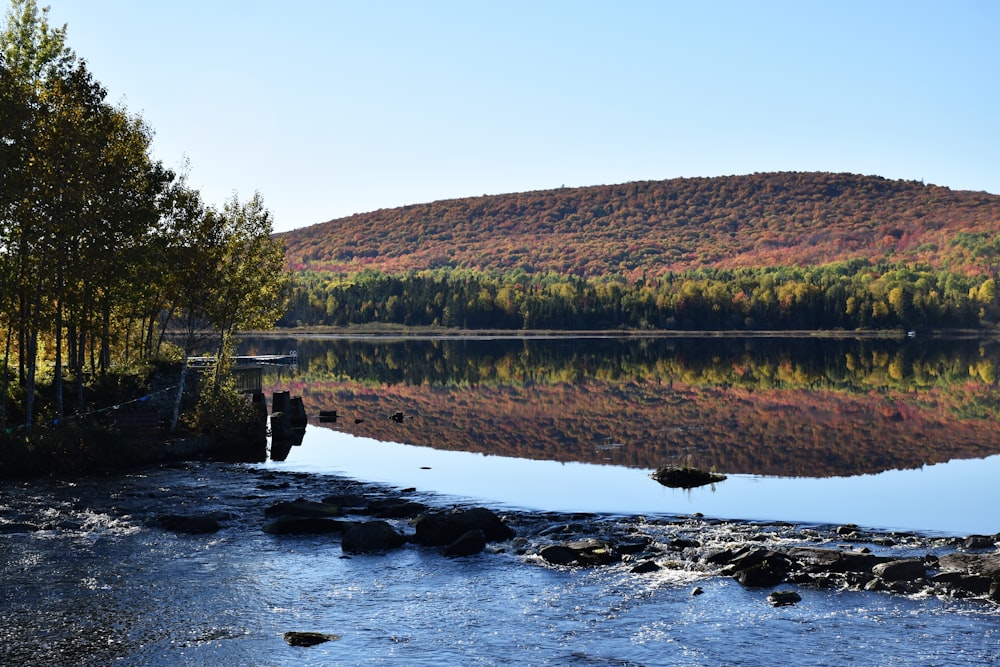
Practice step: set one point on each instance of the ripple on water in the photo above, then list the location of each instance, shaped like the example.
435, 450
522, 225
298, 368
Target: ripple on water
129, 594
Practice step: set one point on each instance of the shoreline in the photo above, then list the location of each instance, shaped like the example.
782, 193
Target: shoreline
417, 333
763, 556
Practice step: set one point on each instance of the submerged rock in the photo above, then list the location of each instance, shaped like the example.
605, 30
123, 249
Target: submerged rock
783, 598
308, 638
679, 477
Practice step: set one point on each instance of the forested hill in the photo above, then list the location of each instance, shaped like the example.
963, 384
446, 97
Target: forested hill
651, 228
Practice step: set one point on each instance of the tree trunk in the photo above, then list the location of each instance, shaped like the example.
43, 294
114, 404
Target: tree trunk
78, 360
6, 374
105, 357
29, 389
57, 377
180, 394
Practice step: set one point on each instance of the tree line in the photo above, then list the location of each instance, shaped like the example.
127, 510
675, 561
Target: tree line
102, 248
856, 294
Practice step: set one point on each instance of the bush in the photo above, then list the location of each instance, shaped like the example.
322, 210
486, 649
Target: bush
221, 409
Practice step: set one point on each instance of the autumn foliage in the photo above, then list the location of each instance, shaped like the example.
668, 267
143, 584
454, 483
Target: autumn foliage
761, 252
651, 228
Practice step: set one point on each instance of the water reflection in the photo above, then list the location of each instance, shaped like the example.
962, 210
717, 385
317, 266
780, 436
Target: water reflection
782, 407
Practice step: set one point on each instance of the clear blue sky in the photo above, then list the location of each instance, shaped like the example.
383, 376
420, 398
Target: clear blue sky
330, 107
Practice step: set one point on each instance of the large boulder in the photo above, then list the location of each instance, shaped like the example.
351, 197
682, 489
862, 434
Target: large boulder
906, 569
441, 529
371, 536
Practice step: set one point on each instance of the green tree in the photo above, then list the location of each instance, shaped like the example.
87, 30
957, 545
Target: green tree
251, 292
32, 49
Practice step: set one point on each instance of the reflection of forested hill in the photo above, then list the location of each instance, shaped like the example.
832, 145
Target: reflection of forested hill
795, 408
647, 424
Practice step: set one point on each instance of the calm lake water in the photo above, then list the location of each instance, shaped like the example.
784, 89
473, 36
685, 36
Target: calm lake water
887, 434
880, 433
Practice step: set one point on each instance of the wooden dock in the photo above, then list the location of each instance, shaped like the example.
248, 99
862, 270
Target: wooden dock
290, 359
248, 369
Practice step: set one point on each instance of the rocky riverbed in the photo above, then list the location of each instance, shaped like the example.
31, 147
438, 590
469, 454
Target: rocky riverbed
233, 560
371, 518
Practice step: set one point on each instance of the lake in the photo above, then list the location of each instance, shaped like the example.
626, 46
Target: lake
559, 436
889, 434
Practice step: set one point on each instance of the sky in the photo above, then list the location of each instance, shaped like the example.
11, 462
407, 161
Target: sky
334, 107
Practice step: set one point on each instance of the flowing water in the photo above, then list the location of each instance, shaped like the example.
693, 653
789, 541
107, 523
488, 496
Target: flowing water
814, 433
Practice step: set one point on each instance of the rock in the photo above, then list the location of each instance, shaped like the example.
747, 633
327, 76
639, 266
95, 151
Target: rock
906, 569
470, 543
308, 638
750, 556
583, 553
294, 525
18, 527
757, 567
994, 593
984, 564
962, 585
719, 557
302, 508
395, 508
697, 590
645, 567
816, 559
346, 500
558, 554
633, 547
783, 598
441, 529
371, 536
191, 525
977, 542
762, 575
680, 544
679, 477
